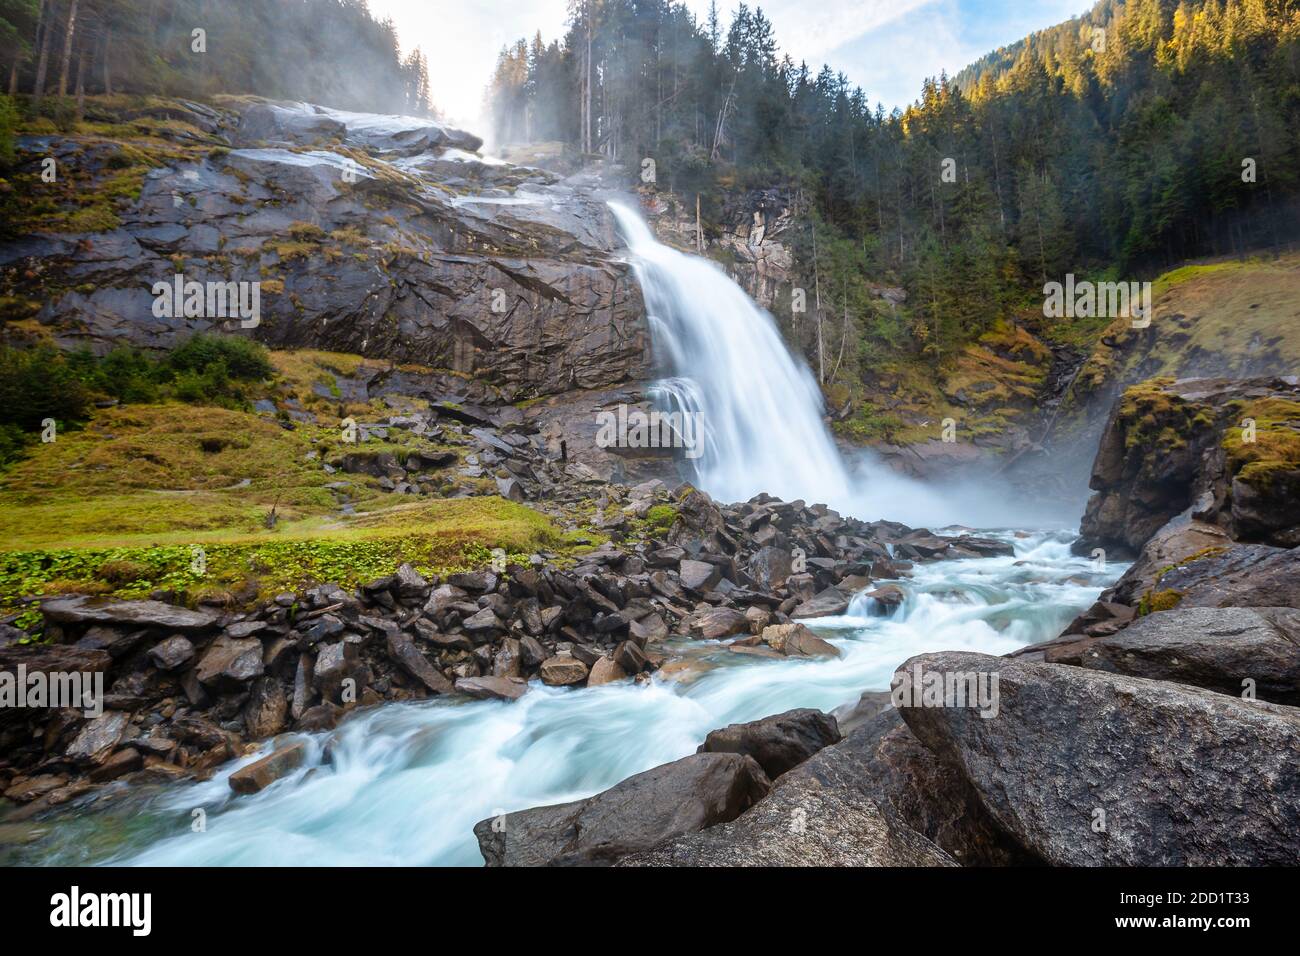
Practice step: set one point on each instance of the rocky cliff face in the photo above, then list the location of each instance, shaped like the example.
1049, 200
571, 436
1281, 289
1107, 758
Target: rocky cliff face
383, 236
1228, 450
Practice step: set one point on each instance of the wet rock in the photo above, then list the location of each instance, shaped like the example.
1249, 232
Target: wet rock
605, 671
492, 688
827, 603
1174, 769
796, 640
260, 774
630, 657
719, 623
778, 743
643, 811
98, 738
126, 760
561, 671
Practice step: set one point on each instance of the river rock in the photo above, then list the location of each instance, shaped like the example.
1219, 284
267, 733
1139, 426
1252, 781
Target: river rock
1217, 648
605, 671
98, 738
171, 654
561, 671
643, 811
719, 623
230, 661
1172, 772
403, 652
88, 610
699, 575
821, 813
778, 743
267, 710
492, 688
260, 774
826, 603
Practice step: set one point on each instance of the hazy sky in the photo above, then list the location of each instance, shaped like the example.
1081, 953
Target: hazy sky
885, 46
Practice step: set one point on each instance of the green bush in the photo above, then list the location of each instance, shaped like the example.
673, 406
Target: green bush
243, 359
39, 383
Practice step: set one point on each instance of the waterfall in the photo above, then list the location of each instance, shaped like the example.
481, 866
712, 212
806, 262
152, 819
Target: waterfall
760, 409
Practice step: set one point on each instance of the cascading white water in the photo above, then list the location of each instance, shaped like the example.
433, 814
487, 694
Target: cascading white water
761, 411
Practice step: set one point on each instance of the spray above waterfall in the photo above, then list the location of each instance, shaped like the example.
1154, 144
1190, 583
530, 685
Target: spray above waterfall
725, 361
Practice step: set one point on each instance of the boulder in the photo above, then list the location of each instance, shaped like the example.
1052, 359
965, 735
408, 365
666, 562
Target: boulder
605, 671
1084, 767
640, 813
230, 661
778, 743
171, 654
827, 603
267, 710
630, 657
821, 813
492, 688
1222, 649
562, 671
98, 738
88, 610
260, 774
403, 652
797, 640
699, 575
719, 623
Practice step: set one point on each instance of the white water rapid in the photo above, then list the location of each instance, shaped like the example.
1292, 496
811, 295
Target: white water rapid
761, 411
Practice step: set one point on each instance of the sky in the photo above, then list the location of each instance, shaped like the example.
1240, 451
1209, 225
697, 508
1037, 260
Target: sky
888, 47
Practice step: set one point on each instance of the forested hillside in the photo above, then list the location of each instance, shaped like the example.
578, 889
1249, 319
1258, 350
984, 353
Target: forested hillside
1132, 138
332, 52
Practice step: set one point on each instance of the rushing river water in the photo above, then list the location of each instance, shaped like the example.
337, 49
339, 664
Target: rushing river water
405, 783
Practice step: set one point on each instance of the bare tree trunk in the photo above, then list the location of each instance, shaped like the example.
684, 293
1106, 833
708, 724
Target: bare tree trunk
108, 63
13, 78
81, 86
42, 66
67, 49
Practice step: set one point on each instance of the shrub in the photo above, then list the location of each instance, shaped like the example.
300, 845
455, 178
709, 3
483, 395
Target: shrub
241, 358
39, 383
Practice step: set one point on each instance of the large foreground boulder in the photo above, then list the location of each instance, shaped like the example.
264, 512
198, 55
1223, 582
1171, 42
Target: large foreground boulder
822, 813
640, 813
1238, 651
778, 743
1084, 767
